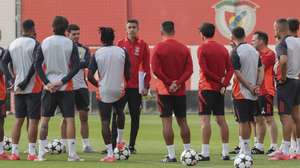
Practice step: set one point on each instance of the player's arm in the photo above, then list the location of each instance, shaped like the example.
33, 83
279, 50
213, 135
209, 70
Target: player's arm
92, 70
75, 62
127, 66
146, 66
240, 77
38, 65
260, 73
157, 71
204, 68
6, 59
86, 60
188, 70
229, 71
281, 51
22, 85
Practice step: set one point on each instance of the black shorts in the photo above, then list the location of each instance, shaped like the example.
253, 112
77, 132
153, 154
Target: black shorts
265, 106
211, 102
244, 110
105, 109
63, 99
288, 95
168, 104
82, 99
2, 109
28, 105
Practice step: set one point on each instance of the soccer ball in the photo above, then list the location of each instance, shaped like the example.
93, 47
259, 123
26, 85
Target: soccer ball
55, 147
243, 161
189, 157
122, 154
7, 143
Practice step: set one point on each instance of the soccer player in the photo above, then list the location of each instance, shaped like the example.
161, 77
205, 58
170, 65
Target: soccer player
112, 64
27, 88
172, 65
139, 56
264, 115
3, 155
248, 77
215, 73
59, 57
80, 89
288, 87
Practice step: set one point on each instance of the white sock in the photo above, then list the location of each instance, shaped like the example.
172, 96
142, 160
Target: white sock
205, 150
293, 145
245, 147
274, 146
171, 151
255, 140
71, 147
42, 145
31, 148
109, 150
187, 146
286, 147
86, 142
120, 135
1, 147
259, 146
298, 146
281, 145
15, 149
64, 142
225, 149
240, 141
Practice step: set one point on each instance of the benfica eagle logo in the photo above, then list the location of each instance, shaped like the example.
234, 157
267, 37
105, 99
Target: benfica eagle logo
233, 13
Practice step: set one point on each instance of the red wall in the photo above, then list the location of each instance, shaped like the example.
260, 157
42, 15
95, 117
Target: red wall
90, 14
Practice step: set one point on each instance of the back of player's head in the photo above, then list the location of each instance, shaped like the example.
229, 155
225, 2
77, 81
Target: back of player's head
28, 25
293, 24
262, 36
60, 25
107, 35
207, 29
282, 25
168, 27
73, 27
238, 33
135, 21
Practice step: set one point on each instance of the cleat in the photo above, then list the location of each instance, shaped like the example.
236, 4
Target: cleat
4, 156
168, 160
31, 157
236, 150
14, 157
225, 158
75, 158
280, 157
132, 150
203, 158
88, 149
271, 150
108, 159
256, 151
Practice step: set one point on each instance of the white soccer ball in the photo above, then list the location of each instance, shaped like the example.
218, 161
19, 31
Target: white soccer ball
122, 154
7, 143
189, 157
55, 147
243, 161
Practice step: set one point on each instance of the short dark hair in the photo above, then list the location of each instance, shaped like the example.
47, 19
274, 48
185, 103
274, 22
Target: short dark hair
283, 24
207, 29
60, 25
168, 27
293, 24
28, 25
133, 21
107, 35
238, 32
262, 36
73, 27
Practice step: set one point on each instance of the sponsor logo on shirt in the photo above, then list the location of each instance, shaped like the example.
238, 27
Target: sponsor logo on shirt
81, 51
137, 51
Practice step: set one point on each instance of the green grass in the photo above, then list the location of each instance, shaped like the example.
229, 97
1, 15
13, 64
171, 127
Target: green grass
150, 146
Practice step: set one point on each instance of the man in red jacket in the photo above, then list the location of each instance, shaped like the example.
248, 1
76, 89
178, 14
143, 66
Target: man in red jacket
172, 65
138, 51
215, 73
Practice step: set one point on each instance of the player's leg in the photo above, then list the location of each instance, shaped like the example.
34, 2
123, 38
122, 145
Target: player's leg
134, 105
119, 106
3, 155
260, 127
63, 133
165, 107
296, 118
20, 114
33, 102
293, 147
219, 113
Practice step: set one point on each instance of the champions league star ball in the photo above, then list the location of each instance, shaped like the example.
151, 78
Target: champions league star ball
189, 157
122, 154
243, 161
55, 147
7, 143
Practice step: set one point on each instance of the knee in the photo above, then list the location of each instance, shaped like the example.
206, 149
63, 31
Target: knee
269, 120
84, 119
221, 122
205, 121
